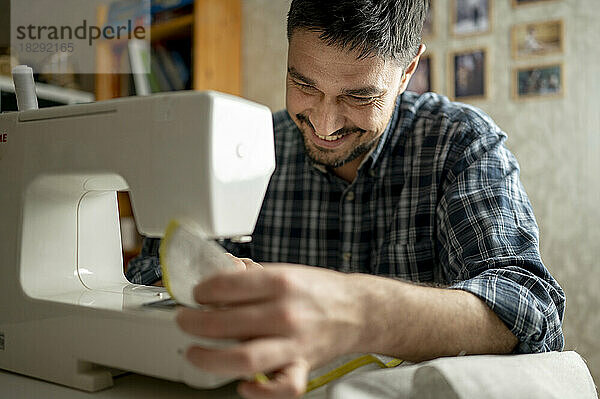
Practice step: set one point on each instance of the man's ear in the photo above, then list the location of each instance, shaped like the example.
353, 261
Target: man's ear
410, 70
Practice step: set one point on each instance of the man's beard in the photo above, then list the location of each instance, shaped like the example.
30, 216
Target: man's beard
315, 155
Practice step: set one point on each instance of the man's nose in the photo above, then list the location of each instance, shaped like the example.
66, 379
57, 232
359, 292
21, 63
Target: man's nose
326, 117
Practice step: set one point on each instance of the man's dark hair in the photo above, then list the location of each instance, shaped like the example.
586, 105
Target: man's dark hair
387, 28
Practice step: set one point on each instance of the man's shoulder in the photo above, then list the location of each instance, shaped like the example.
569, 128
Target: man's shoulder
453, 133
436, 119
438, 108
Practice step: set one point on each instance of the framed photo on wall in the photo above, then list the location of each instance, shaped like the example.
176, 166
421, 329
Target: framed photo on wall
421, 81
538, 81
470, 17
517, 3
537, 38
468, 75
428, 24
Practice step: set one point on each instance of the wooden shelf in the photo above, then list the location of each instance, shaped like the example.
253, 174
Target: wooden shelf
214, 27
181, 26
217, 46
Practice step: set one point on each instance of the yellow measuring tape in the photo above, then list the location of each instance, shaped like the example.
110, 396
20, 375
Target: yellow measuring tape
347, 368
162, 252
341, 371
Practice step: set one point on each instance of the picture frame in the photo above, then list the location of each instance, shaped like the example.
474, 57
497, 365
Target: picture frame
519, 3
539, 81
470, 17
422, 80
468, 74
429, 23
536, 39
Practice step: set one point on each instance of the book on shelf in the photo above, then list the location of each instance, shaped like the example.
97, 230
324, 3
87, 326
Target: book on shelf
169, 5
165, 10
156, 68
139, 59
181, 66
129, 13
158, 73
159, 65
175, 71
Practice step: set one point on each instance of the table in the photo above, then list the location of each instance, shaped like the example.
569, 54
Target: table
128, 386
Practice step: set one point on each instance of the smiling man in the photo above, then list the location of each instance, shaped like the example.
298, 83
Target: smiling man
393, 224
340, 101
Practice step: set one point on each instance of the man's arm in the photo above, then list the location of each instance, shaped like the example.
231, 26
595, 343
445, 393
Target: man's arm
291, 318
145, 268
487, 238
417, 323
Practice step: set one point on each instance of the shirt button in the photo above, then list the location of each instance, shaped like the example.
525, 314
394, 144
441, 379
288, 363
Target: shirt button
372, 172
350, 196
346, 256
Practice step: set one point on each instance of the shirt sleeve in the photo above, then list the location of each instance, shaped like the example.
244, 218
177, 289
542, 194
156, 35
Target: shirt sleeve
145, 268
488, 243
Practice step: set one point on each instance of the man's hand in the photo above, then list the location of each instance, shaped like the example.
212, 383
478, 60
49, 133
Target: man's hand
289, 319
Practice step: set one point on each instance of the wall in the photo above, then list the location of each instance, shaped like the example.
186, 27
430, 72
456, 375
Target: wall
557, 141
264, 46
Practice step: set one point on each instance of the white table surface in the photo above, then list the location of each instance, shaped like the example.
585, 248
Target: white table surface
130, 386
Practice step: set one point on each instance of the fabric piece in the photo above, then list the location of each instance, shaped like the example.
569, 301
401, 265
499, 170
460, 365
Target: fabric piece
187, 258
550, 375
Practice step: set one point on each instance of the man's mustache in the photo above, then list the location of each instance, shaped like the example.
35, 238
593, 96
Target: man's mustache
341, 132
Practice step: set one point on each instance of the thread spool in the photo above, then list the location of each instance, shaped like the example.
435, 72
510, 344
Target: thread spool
24, 88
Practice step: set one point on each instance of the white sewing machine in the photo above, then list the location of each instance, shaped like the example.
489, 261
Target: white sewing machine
67, 313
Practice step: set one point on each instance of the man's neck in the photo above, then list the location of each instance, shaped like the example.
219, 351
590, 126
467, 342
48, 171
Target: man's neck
349, 170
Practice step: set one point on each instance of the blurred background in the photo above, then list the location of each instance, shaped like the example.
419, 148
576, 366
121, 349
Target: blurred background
533, 65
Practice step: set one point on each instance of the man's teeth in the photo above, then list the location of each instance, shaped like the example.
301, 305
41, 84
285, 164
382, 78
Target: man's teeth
329, 138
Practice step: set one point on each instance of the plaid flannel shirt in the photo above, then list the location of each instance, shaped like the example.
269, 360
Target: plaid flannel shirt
437, 201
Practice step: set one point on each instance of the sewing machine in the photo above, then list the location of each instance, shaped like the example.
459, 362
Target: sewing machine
67, 313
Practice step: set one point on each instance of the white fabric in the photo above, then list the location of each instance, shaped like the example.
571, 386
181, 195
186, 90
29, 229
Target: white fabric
549, 375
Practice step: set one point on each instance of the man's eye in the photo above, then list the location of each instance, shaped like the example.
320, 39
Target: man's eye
304, 87
362, 100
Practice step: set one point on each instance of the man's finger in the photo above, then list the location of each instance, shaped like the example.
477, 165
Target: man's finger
246, 359
239, 264
244, 263
290, 382
240, 287
251, 265
239, 322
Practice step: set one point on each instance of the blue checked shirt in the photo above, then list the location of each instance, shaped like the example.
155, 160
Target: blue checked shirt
437, 201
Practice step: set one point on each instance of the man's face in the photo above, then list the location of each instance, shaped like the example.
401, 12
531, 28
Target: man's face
341, 104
